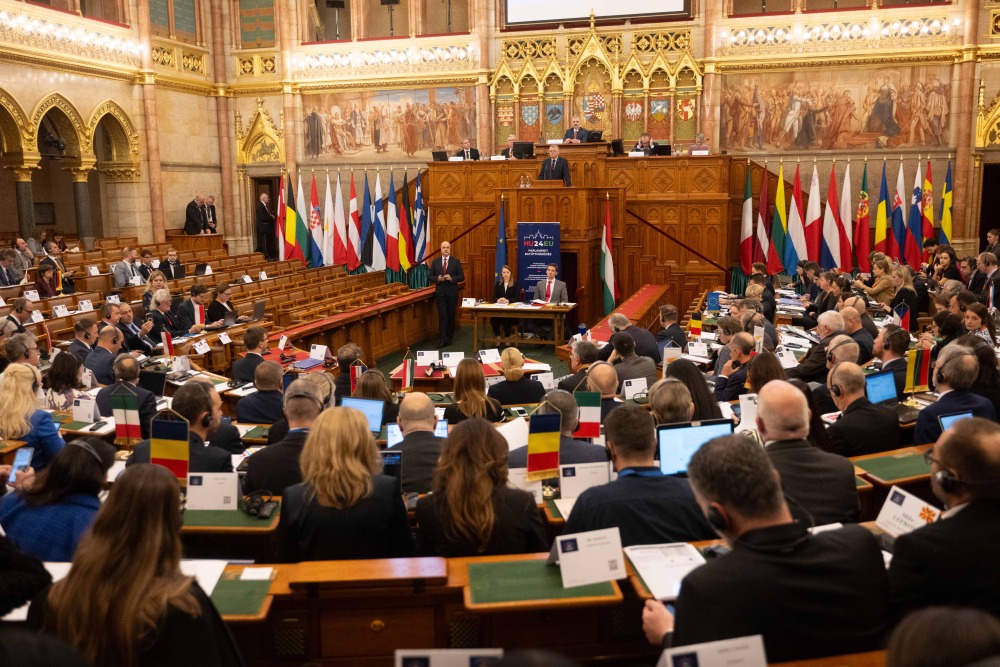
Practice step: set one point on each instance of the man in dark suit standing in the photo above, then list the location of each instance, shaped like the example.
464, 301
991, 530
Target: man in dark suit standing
194, 216
446, 274
779, 581
276, 467
955, 373
126, 373
255, 341
863, 428
468, 152
171, 266
421, 448
953, 561
576, 134
211, 221
265, 229
555, 168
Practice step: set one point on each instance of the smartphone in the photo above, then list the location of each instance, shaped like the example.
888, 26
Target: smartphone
22, 460
520, 412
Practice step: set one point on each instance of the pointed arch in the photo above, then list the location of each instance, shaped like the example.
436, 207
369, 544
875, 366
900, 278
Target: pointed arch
81, 138
13, 125
124, 137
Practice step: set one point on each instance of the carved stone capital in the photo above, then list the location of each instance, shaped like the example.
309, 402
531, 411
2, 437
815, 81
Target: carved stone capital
79, 174
22, 174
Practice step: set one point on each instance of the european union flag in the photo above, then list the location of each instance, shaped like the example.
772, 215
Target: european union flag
501, 245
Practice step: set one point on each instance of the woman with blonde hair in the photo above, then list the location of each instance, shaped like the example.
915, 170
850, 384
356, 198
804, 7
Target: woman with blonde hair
881, 289
516, 388
372, 385
906, 294
469, 398
21, 419
157, 280
472, 511
125, 601
343, 509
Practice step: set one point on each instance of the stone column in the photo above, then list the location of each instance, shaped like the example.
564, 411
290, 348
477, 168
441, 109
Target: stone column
147, 80
359, 13
708, 102
964, 139
81, 199
290, 116
217, 47
25, 200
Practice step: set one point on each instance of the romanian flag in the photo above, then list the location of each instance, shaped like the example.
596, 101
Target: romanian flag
918, 370
357, 369
590, 414
125, 407
862, 244
168, 344
695, 325
409, 371
543, 446
168, 446
882, 215
901, 317
928, 205
944, 213
779, 229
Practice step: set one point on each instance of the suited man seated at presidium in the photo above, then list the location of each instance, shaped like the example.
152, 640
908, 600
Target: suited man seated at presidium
467, 152
576, 134
555, 168
807, 595
955, 373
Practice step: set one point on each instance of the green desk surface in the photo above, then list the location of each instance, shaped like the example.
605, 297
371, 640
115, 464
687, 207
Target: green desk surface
895, 466
75, 426
226, 519
234, 597
858, 482
257, 433
553, 509
525, 580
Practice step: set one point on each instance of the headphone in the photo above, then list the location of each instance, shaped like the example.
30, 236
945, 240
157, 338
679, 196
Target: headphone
86, 446
829, 352
949, 483
834, 387
938, 372
254, 503
86, 335
302, 394
106, 311
116, 339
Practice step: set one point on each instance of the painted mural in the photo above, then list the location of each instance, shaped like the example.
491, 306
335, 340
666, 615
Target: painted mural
387, 126
836, 110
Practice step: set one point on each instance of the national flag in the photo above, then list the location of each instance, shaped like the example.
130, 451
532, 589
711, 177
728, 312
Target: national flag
125, 410
694, 328
762, 243
779, 230
405, 231
830, 245
501, 258
409, 372
918, 370
168, 446
897, 239
302, 241
813, 221
199, 313
315, 228
927, 209
882, 216
944, 213
279, 222
392, 229
367, 238
48, 336
862, 244
590, 414
357, 370
901, 317
746, 229
419, 225
331, 235
914, 224
543, 446
378, 226
353, 231
846, 229
609, 286
795, 246
292, 251
168, 344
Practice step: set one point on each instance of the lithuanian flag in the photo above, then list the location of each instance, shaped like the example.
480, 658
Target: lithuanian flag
918, 370
543, 446
168, 446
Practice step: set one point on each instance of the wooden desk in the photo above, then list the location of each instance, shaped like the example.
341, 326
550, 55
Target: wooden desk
899, 466
230, 535
8, 450
486, 312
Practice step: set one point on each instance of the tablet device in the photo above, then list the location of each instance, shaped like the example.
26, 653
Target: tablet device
947, 421
677, 443
372, 410
392, 465
439, 156
394, 434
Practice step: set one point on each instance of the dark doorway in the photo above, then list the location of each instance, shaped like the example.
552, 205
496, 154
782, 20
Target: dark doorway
990, 202
568, 273
269, 185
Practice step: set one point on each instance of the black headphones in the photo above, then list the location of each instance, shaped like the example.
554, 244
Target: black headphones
86, 335
829, 352
938, 372
949, 483
834, 387
716, 520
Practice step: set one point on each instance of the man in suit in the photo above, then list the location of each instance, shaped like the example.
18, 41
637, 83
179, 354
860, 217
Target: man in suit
858, 333
581, 355
20, 313
266, 240
991, 290
955, 373
575, 134
570, 449
255, 341
646, 506
135, 338
23, 260
171, 267
644, 145
628, 364
842, 349
863, 428
102, 359
199, 403
974, 278
555, 168
993, 242
145, 265
276, 467
819, 485
807, 595
84, 339
671, 331
211, 221
264, 405
347, 354
467, 152
509, 151
813, 368
192, 311
890, 346
446, 275
53, 256
645, 342
731, 382
126, 272
421, 448
952, 562
194, 216
7, 276
551, 290
859, 304
126, 372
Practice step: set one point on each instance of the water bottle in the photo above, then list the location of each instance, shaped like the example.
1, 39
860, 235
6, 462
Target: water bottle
581, 329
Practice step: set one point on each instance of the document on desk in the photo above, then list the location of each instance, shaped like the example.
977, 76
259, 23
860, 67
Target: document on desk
663, 566
591, 557
739, 652
576, 478
515, 432
207, 572
536, 367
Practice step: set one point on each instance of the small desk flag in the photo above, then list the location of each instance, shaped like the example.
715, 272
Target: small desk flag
918, 370
543, 446
125, 406
590, 414
409, 370
357, 369
168, 344
901, 317
168, 446
695, 326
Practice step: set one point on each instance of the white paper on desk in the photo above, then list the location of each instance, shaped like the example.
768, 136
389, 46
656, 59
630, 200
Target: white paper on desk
663, 566
318, 352
748, 413
696, 359
708, 335
447, 657
212, 491
451, 359
283, 341
84, 306
548, 380
202, 347
515, 432
538, 367
589, 558
698, 349
739, 652
518, 478
576, 478
425, 357
30, 294
85, 409
257, 574
469, 302
224, 338
439, 414
93, 271
245, 390
58, 571
207, 572
2, 302
632, 387
727, 410
60, 311
112, 298
36, 316
492, 380
180, 365
787, 359
208, 270
246, 279
489, 356
903, 513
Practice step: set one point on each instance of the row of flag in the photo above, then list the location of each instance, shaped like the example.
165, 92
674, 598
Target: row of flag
828, 237
382, 233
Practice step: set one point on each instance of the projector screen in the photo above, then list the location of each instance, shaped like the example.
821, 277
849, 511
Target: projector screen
557, 11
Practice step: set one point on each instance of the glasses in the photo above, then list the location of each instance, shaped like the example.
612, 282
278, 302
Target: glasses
929, 457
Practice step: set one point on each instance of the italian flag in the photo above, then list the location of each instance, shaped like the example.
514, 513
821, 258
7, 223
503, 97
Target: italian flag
590, 414
125, 407
609, 288
543, 446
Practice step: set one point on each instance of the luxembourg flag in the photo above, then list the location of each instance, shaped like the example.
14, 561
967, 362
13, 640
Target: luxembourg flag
814, 225
830, 253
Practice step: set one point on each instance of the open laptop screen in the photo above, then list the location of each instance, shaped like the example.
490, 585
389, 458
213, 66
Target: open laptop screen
677, 443
372, 410
948, 420
153, 381
881, 387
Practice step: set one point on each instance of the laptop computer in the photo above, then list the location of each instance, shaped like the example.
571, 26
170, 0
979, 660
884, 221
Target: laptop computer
524, 150
880, 388
948, 420
662, 150
229, 318
394, 434
617, 147
258, 310
156, 382
371, 408
677, 443
200, 269
439, 156
595, 135
392, 465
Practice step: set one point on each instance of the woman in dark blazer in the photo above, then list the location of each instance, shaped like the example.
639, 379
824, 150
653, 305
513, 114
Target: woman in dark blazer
45, 284
163, 319
222, 305
515, 388
472, 511
905, 295
505, 291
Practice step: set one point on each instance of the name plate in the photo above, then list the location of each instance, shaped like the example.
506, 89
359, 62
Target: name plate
589, 558
903, 513
60, 311
202, 347
632, 387
318, 352
469, 303
224, 338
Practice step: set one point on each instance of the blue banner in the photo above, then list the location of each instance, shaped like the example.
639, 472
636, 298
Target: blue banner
537, 246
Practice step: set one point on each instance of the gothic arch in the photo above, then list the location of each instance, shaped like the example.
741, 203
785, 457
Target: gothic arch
79, 140
124, 138
13, 125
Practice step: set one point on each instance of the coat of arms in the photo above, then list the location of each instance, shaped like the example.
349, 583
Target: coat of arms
529, 114
554, 113
505, 115
658, 109
593, 106
633, 111
685, 108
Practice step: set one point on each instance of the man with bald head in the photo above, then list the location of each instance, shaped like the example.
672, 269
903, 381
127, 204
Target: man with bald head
422, 448
859, 304
854, 328
819, 485
603, 378
863, 428
842, 348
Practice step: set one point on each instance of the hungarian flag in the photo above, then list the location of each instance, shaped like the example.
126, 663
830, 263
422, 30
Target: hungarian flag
543, 446
125, 407
695, 325
409, 371
609, 288
279, 222
405, 232
353, 232
795, 246
746, 229
882, 216
901, 317
830, 245
168, 446
779, 229
590, 414
927, 208
897, 239
168, 344
918, 370
844, 224
944, 213
762, 243
813, 220
357, 370
862, 244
